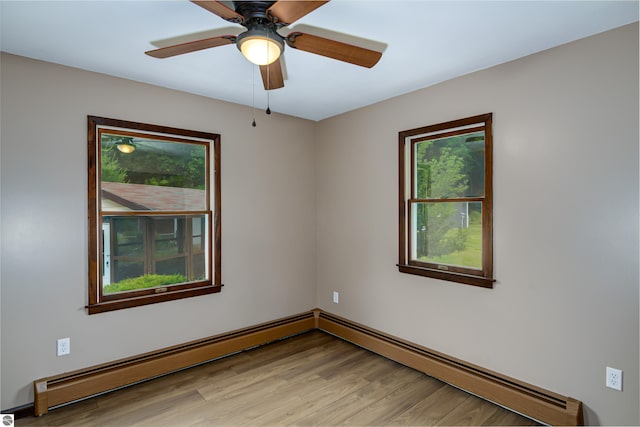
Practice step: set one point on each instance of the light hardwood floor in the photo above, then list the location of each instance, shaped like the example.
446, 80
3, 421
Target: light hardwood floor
308, 380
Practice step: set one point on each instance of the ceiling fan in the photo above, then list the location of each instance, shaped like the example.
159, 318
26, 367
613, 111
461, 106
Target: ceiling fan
262, 44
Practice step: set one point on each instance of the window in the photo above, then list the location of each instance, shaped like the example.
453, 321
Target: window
445, 206
153, 236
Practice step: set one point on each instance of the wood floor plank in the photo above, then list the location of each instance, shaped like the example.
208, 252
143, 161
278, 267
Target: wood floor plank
318, 398
504, 417
347, 363
432, 408
274, 352
310, 379
316, 361
70, 414
472, 412
279, 398
337, 412
143, 411
393, 404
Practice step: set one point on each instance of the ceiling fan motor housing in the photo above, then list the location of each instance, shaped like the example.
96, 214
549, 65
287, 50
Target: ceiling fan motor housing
261, 30
253, 9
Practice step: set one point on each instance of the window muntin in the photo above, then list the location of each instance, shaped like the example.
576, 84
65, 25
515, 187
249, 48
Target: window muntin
153, 235
445, 201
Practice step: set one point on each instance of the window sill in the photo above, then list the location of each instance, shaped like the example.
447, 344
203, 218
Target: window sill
103, 307
466, 279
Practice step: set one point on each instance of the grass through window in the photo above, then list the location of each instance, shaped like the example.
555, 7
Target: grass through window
470, 256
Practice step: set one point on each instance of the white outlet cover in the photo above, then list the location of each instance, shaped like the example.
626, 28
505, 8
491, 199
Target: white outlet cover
336, 297
614, 378
64, 346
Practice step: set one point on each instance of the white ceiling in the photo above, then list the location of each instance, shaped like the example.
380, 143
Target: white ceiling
426, 42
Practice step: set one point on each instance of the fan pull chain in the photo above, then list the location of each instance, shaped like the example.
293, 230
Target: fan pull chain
268, 91
268, 79
253, 94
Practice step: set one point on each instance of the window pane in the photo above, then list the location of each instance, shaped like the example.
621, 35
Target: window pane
450, 167
169, 235
172, 266
142, 252
157, 175
123, 270
447, 233
127, 238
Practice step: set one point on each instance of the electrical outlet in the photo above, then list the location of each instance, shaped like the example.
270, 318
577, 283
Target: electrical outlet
64, 346
614, 378
336, 297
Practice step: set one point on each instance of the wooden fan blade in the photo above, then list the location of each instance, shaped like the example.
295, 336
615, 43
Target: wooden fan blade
179, 49
200, 35
272, 75
289, 11
221, 10
334, 49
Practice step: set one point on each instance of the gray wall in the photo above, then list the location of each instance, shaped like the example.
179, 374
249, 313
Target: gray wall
268, 221
565, 304
309, 208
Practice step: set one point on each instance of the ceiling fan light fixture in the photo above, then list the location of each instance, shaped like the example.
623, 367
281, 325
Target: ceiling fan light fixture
260, 46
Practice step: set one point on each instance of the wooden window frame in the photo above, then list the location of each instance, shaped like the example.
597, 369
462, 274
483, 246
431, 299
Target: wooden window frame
406, 141
99, 303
